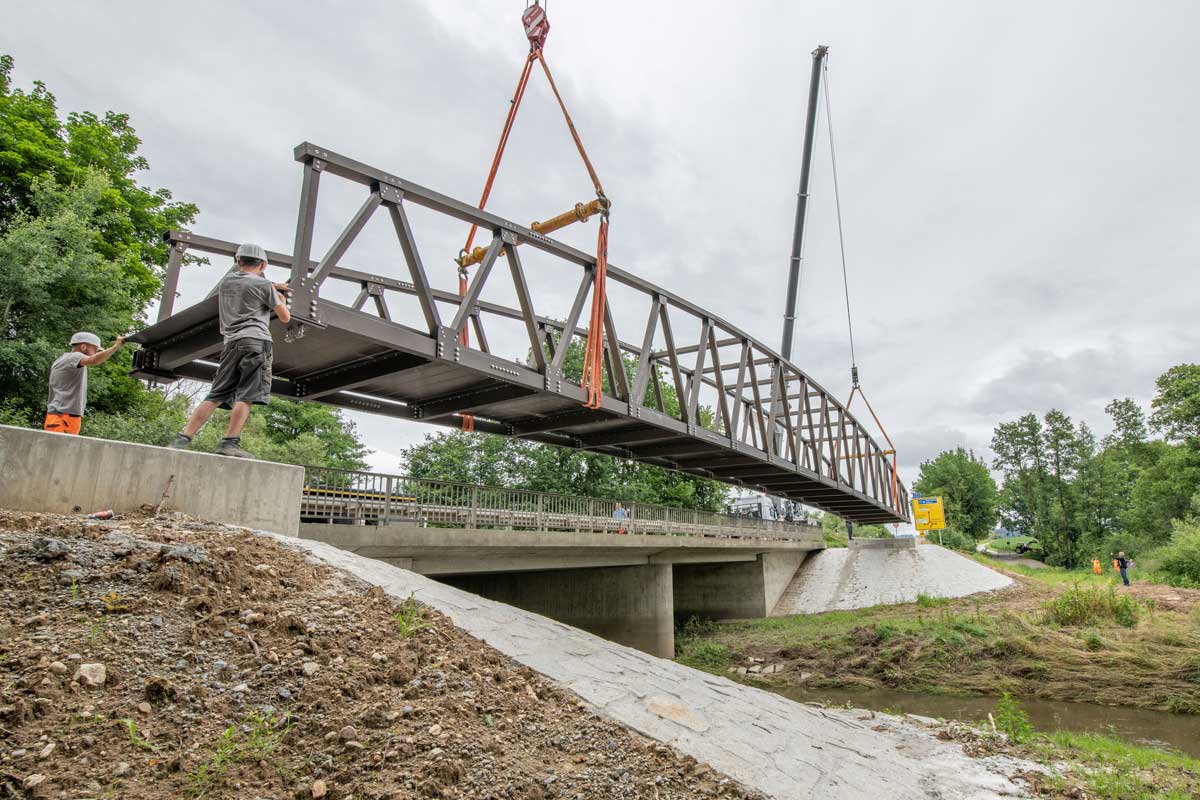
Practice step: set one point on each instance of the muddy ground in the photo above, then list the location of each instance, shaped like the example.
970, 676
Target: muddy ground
152, 658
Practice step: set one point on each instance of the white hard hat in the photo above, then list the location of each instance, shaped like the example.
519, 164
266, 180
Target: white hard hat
255, 251
83, 337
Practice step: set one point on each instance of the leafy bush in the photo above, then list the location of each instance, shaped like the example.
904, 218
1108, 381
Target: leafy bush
1012, 721
1090, 605
953, 539
1180, 560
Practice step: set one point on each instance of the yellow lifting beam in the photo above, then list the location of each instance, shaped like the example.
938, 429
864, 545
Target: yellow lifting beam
582, 212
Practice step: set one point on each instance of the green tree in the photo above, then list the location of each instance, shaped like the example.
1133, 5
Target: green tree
1177, 403
55, 281
80, 244
81, 249
835, 528
1040, 461
293, 432
968, 489
35, 143
501, 461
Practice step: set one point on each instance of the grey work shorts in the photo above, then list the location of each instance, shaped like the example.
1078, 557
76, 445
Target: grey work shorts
244, 375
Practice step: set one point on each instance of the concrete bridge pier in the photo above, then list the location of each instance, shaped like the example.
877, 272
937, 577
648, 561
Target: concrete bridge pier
631, 605
734, 590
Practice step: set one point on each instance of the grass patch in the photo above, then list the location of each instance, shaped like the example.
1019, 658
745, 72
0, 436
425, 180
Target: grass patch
134, 738
253, 740
410, 618
695, 650
1079, 606
1114, 768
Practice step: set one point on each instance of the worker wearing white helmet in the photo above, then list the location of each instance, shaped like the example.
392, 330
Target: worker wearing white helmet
246, 301
68, 381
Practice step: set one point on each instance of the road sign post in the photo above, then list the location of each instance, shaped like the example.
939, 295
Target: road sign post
929, 514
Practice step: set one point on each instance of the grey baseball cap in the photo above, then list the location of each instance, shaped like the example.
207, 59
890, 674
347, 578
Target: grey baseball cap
248, 250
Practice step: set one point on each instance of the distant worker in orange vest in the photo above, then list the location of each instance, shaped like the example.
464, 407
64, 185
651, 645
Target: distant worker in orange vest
1096, 566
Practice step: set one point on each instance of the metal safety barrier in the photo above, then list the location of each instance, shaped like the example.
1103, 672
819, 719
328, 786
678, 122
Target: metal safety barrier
370, 498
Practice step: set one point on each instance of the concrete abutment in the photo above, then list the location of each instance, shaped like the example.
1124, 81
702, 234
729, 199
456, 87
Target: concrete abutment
628, 605
736, 590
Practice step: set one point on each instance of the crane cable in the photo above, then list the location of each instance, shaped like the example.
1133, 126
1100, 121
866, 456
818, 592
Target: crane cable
537, 27
855, 386
468, 420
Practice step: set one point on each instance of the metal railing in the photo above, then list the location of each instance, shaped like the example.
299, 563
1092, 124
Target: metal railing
370, 498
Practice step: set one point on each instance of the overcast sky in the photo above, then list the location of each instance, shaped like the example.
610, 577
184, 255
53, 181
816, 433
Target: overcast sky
1020, 185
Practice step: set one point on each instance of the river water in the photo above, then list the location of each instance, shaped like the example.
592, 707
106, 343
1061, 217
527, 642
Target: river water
1138, 725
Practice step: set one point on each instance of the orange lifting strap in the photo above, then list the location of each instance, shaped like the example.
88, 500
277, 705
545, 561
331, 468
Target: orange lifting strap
857, 389
537, 27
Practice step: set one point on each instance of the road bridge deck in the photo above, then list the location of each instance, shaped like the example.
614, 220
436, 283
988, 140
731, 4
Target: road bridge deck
746, 416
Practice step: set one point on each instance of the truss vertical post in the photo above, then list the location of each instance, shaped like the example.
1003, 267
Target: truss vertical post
303, 292
171, 280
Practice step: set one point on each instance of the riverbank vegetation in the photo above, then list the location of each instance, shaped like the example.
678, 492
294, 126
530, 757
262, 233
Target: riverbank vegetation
1061, 636
1086, 764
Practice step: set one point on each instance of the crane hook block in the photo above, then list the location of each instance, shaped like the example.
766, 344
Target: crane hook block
537, 26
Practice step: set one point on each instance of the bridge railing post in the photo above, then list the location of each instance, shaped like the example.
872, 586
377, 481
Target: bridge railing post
387, 501
541, 518
473, 509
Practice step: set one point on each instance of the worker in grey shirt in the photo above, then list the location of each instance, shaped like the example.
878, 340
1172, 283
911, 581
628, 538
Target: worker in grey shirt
68, 381
246, 300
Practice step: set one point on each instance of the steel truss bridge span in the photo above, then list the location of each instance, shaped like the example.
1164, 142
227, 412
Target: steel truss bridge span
763, 424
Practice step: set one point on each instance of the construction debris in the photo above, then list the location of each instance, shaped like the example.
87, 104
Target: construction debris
189, 659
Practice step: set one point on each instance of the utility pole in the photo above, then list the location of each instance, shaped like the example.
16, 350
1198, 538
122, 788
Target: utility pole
789, 313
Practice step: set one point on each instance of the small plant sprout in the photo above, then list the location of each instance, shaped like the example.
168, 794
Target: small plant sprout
410, 618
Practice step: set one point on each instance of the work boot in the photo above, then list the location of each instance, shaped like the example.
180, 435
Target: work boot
231, 446
181, 442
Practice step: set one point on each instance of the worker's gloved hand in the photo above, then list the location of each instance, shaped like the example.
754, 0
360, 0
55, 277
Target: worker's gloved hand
282, 287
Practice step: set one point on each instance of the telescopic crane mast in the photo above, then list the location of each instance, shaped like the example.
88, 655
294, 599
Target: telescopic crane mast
810, 125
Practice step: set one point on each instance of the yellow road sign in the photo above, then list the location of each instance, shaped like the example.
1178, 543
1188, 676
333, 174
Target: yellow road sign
928, 513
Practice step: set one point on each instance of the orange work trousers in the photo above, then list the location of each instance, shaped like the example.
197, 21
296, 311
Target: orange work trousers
62, 423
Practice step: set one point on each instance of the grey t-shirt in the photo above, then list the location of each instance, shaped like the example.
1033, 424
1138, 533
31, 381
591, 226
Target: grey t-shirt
68, 385
246, 301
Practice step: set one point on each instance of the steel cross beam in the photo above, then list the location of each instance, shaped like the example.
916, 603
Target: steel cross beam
723, 404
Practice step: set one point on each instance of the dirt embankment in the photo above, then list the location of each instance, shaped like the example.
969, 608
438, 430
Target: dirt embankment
987, 644
170, 658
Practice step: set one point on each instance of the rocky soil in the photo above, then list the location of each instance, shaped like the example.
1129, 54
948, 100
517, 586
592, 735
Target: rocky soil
171, 658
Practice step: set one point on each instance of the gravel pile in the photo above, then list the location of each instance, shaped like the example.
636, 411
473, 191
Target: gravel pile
171, 658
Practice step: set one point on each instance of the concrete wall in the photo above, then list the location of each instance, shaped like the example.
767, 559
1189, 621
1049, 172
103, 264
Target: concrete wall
742, 590
778, 571
56, 473
892, 543
629, 605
